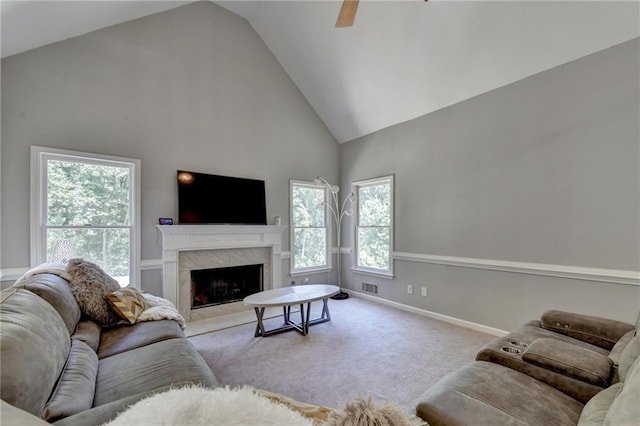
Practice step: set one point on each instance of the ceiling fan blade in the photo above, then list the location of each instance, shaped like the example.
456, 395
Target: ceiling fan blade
347, 13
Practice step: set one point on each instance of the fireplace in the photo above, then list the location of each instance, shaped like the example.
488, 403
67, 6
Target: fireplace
197, 247
217, 286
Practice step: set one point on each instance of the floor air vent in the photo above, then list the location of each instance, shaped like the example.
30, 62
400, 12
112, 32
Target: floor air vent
370, 288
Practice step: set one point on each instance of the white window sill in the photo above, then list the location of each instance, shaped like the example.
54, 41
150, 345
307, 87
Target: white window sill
373, 273
303, 272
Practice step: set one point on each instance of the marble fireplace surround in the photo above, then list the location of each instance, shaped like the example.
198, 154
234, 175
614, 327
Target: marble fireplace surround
186, 247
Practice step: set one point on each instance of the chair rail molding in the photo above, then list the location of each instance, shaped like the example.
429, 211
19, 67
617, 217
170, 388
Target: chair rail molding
614, 276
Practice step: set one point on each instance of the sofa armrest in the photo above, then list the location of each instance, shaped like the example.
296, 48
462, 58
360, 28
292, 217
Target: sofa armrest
570, 360
598, 331
107, 412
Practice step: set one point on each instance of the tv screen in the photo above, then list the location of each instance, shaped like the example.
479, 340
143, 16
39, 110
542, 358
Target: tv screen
205, 198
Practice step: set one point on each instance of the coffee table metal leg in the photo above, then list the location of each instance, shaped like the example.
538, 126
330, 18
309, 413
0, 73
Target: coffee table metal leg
259, 327
306, 323
325, 310
304, 331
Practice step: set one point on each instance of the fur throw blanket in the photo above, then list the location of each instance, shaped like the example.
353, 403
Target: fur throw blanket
159, 308
361, 412
247, 406
200, 406
59, 269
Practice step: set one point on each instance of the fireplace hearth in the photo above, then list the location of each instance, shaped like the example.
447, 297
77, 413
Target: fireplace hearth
217, 286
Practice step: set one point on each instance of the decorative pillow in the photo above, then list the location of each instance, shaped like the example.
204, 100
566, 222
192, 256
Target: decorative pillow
128, 303
89, 285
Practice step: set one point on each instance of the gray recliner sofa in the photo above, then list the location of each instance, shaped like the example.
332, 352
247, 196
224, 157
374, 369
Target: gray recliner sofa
565, 369
60, 367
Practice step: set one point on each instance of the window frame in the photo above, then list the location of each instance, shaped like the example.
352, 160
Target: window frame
327, 227
38, 189
355, 187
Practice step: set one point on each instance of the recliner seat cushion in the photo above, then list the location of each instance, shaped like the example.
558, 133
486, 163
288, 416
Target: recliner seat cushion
494, 395
146, 368
115, 340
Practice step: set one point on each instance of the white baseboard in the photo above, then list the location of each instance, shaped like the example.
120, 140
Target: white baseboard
429, 314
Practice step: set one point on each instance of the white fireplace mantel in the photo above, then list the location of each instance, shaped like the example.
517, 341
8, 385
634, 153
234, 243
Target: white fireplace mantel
176, 238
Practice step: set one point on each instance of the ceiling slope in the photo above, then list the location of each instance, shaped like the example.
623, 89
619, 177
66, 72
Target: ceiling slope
400, 60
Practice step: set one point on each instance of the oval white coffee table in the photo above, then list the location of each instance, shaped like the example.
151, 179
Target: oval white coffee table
288, 296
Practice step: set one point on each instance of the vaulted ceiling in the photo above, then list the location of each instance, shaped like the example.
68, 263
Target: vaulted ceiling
402, 58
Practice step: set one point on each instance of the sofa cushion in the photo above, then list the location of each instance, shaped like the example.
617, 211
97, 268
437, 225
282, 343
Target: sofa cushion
128, 303
88, 331
594, 412
115, 340
616, 354
34, 350
89, 285
570, 360
57, 292
173, 361
625, 409
76, 386
498, 396
101, 414
628, 356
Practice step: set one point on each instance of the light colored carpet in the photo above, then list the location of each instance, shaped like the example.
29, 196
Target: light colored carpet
368, 349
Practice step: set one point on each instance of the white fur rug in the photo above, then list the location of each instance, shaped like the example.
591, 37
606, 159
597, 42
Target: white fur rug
199, 406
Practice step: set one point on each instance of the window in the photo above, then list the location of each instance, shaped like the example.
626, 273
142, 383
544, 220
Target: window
86, 205
374, 225
309, 228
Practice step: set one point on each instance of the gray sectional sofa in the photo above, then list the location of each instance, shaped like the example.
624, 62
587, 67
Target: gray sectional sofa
564, 369
60, 367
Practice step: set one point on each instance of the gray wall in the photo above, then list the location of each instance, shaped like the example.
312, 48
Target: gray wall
545, 170
192, 88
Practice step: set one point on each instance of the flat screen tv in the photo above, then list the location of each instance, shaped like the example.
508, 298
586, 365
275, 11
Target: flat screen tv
214, 199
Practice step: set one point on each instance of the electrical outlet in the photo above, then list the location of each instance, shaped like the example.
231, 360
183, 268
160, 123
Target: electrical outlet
409, 289
424, 291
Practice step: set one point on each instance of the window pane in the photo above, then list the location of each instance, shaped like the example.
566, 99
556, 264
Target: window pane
308, 208
109, 248
374, 206
373, 247
309, 247
79, 194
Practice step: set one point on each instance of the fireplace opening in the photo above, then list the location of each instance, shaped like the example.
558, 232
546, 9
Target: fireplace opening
216, 286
